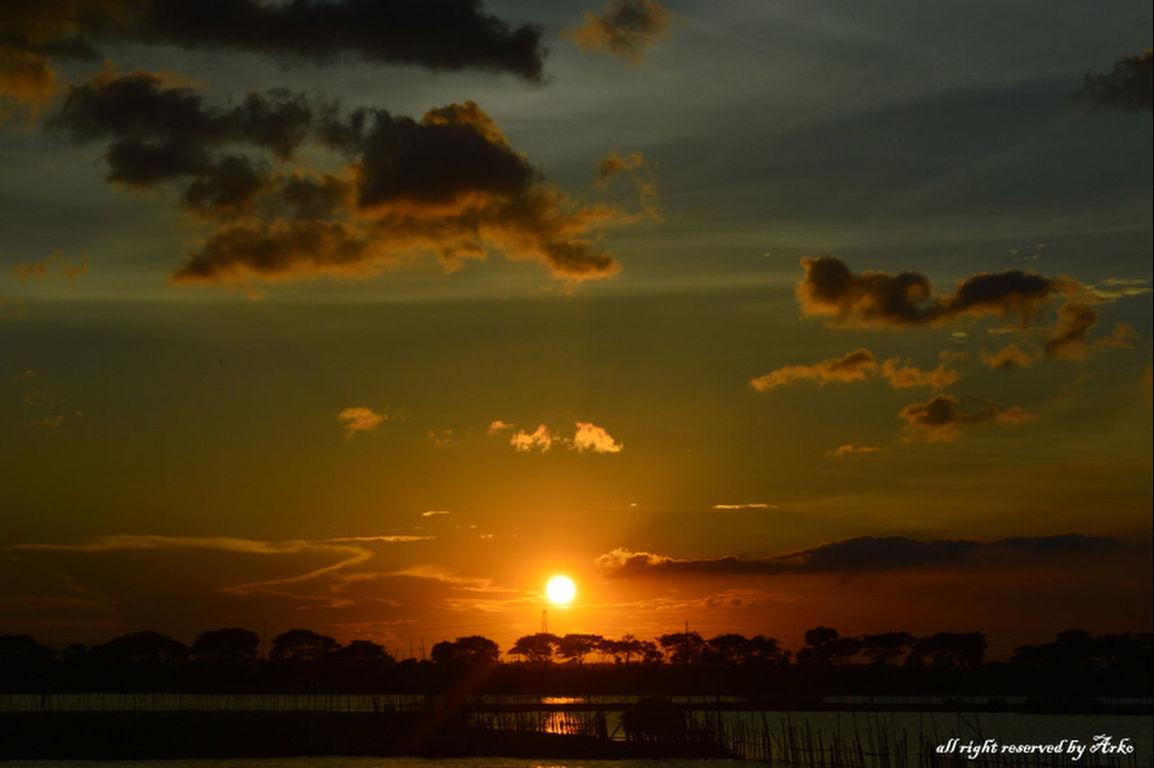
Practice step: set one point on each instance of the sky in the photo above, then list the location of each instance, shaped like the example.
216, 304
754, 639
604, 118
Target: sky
370, 317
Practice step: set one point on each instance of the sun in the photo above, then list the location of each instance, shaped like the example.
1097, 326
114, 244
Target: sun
561, 589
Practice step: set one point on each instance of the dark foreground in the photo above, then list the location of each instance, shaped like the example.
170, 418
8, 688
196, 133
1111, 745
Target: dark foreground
156, 735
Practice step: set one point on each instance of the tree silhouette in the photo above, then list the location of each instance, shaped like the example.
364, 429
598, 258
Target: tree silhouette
683, 647
575, 647
470, 651
363, 652
884, 649
767, 649
301, 645
226, 645
536, 648
143, 648
623, 650
949, 649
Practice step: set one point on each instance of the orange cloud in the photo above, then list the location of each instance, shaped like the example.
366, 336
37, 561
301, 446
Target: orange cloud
541, 439
1070, 337
860, 365
590, 437
626, 28
1007, 358
849, 449
360, 419
25, 271
857, 365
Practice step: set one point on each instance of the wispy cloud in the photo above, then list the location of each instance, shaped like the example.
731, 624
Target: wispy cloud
866, 554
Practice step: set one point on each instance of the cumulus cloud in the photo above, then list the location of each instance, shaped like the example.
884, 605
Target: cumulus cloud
449, 185
437, 34
866, 554
1127, 86
882, 300
942, 418
590, 437
860, 365
1009, 357
626, 28
850, 449
360, 419
540, 439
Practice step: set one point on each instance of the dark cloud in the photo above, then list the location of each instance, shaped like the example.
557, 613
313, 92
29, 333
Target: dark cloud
866, 554
879, 299
437, 34
1128, 85
626, 28
942, 417
449, 184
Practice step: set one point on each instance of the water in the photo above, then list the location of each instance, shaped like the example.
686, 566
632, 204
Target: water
744, 730
378, 762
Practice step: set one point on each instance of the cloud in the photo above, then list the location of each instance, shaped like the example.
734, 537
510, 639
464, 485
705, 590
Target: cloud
943, 416
449, 185
590, 437
748, 505
865, 554
24, 271
541, 439
439, 35
1070, 337
1114, 288
360, 419
626, 28
1127, 86
440, 437
860, 365
1009, 357
345, 553
857, 365
849, 449
905, 375
635, 166
882, 300
435, 512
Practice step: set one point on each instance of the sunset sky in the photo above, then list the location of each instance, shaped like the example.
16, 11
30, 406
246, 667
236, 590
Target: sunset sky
369, 317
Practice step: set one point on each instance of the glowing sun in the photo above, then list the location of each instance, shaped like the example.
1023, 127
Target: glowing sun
561, 589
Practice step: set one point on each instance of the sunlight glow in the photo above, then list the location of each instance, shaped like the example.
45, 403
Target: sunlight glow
561, 589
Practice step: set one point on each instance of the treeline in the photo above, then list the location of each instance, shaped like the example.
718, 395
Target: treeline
233, 659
